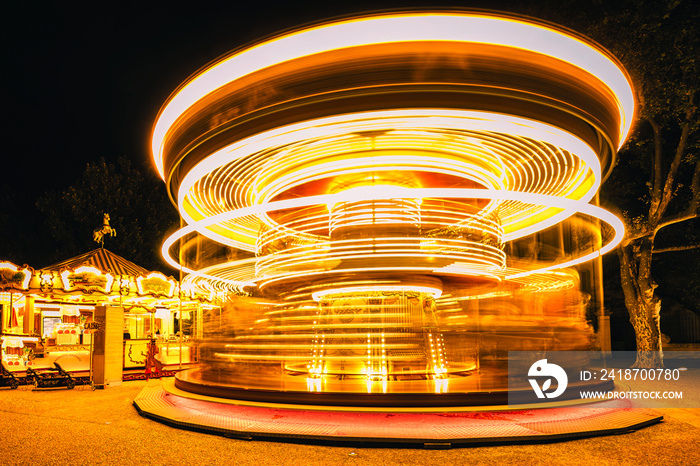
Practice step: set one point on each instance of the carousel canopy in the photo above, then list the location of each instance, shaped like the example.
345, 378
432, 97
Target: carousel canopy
103, 260
94, 276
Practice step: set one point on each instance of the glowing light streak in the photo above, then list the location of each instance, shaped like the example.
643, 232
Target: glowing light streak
427, 118
319, 295
479, 28
346, 212
382, 247
569, 207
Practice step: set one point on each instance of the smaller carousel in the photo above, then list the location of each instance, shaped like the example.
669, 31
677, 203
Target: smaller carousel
48, 316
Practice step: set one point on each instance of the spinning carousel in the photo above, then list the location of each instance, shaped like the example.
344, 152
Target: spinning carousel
388, 205
47, 313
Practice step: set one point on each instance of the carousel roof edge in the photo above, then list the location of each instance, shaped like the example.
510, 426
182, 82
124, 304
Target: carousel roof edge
103, 260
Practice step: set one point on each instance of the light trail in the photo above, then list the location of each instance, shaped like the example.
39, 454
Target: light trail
382, 179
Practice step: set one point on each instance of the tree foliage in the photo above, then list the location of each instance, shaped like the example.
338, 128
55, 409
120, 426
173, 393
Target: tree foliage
137, 204
656, 184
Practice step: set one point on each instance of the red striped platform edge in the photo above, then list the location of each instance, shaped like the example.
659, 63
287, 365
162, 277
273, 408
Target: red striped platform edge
433, 429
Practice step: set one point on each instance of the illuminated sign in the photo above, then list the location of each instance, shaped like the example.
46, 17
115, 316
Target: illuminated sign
156, 284
12, 277
87, 279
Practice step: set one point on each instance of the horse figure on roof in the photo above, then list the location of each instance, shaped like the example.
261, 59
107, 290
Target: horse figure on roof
99, 233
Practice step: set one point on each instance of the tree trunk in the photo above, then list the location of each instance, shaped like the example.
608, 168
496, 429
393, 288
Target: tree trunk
647, 328
641, 301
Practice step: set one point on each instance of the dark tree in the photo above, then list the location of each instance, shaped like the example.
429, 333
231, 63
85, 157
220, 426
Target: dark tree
656, 184
661, 52
137, 204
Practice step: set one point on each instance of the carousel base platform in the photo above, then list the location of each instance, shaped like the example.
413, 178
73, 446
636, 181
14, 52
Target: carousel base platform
396, 427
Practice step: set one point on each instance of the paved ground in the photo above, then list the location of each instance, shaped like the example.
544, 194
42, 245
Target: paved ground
82, 426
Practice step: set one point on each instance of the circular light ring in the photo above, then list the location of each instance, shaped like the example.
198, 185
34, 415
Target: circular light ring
473, 264
292, 282
373, 289
525, 155
568, 207
231, 276
428, 236
245, 194
546, 281
507, 33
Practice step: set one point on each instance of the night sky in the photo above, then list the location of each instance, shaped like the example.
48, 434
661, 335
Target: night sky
84, 83
81, 83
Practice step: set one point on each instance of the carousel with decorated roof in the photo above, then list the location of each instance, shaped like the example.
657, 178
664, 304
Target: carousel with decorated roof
48, 314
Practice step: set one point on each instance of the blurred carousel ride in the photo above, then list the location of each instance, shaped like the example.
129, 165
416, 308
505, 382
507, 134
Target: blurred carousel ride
388, 204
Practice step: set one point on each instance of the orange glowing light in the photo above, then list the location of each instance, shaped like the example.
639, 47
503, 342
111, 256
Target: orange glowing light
366, 195
395, 28
156, 282
67, 278
26, 272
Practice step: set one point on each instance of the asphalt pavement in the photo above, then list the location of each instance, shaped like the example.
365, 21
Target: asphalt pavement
86, 427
